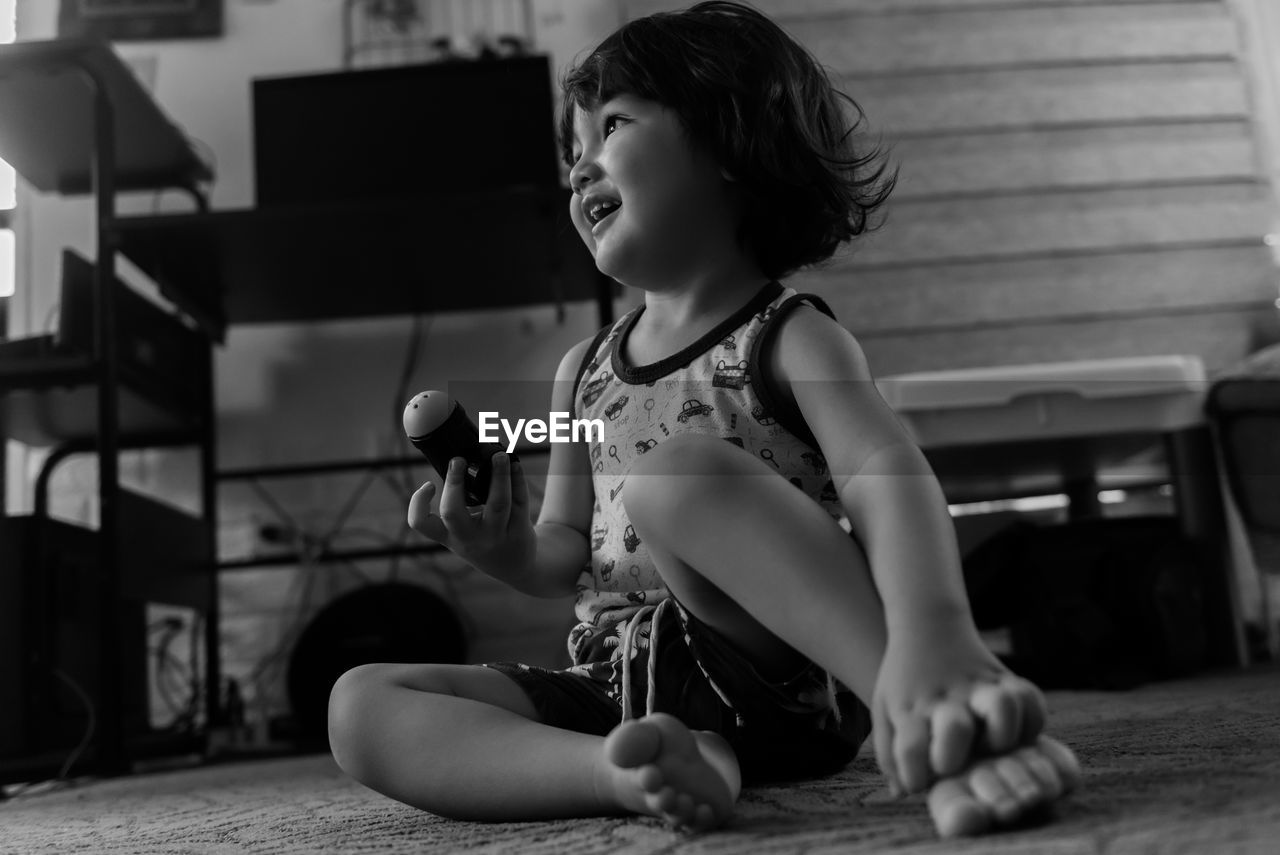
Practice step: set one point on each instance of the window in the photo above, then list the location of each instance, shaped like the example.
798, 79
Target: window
8, 181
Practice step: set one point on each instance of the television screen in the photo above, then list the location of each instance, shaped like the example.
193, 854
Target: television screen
402, 132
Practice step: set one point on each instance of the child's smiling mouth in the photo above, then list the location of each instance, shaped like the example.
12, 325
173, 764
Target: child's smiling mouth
606, 218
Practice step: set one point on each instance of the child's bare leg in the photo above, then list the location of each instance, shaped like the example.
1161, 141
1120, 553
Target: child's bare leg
465, 742
786, 580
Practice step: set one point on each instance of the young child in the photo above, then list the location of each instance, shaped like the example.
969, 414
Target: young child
754, 537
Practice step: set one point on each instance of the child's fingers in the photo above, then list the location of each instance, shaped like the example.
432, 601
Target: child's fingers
497, 508
421, 519
1035, 711
882, 735
453, 501
911, 752
519, 487
954, 730
1000, 709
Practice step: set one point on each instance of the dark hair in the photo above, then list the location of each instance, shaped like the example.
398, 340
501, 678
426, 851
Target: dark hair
764, 108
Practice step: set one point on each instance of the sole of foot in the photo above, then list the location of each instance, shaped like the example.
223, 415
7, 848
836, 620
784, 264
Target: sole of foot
690, 779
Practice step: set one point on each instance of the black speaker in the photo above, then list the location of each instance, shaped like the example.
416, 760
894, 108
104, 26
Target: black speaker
392, 622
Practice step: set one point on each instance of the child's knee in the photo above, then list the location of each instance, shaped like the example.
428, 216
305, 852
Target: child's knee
660, 485
690, 454
353, 702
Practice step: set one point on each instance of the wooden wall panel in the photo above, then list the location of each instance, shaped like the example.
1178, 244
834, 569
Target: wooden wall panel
989, 227
1073, 158
1219, 338
1079, 179
1085, 286
1049, 98
785, 11
950, 40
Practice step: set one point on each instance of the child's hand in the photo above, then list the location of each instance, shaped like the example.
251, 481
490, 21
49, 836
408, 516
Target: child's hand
941, 700
497, 538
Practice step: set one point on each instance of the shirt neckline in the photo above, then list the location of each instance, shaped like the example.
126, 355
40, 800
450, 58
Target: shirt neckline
655, 370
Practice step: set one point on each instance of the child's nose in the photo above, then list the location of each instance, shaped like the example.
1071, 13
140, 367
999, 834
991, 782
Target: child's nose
582, 174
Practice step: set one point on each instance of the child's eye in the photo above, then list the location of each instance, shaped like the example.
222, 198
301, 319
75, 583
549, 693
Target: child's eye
611, 120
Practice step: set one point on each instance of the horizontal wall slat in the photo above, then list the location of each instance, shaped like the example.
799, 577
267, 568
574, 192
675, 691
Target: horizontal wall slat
785, 10
1048, 97
1071, 158
950, 40
917, 299
1102, 220
1220, 339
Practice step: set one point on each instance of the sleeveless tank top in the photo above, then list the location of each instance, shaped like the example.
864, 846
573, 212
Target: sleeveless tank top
715, 386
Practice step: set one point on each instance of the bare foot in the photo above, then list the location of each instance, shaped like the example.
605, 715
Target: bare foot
997, 791
688, 778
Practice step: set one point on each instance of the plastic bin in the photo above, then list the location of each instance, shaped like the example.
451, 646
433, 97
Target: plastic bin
1049, 400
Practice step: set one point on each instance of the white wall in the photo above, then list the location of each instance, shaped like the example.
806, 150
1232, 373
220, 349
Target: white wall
302, 393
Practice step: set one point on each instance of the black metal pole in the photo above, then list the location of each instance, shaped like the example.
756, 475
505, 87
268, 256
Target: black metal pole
112, 757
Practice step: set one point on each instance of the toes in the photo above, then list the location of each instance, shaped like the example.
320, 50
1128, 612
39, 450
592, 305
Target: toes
1044, 772
633, 743
952, 743
665, 800
1000, 710
651, 779
955, 811
1019, 781
1063, 760
991, 791
911, 753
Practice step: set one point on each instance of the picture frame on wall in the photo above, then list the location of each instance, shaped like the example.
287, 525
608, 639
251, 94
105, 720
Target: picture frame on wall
140, 20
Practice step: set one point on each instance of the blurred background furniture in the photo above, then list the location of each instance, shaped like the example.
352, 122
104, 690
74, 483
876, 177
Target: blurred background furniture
119, 373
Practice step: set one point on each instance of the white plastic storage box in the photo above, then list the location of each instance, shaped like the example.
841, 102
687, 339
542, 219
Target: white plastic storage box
1049, 400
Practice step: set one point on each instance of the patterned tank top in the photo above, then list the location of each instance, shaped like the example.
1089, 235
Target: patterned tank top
715, 386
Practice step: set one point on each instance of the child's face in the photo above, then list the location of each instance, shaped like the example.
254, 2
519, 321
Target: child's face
676, 214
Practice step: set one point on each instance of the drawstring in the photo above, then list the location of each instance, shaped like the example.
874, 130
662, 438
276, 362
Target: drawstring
653, 613
831, 696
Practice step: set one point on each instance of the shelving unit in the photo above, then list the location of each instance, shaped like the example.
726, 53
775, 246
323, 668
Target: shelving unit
77, 598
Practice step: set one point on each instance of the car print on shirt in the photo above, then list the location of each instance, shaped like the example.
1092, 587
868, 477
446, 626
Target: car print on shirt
646, 445
630, 540
759, 413
598, 535
730, 376
693, 407
595, 388
736, 440
729, 343
615, 409
606, 570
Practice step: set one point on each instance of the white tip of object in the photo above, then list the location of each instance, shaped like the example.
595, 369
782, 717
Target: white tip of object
425, 412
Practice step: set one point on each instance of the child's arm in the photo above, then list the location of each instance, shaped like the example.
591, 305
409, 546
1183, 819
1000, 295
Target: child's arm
545, 559
933, 691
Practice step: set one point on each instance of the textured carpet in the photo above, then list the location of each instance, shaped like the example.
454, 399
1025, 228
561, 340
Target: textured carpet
1190, 766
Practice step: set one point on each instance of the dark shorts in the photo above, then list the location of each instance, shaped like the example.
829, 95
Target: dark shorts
779, 730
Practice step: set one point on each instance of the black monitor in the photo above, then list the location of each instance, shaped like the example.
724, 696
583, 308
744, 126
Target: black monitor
404, 132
